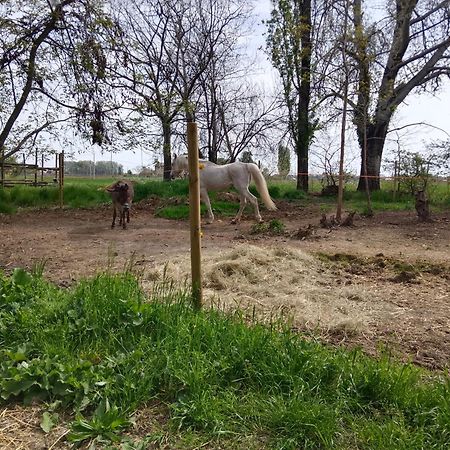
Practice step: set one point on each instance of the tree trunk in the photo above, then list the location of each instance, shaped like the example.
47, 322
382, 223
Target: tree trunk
212, 150
371, 163
304, 127
302, 167
167, 150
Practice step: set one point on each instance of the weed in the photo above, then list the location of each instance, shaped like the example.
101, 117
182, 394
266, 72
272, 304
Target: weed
275, 227
104, 425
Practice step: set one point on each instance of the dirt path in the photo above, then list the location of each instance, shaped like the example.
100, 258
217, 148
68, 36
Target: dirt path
357, 303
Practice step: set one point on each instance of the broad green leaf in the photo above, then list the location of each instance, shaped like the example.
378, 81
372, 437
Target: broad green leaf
21, 277
48, 421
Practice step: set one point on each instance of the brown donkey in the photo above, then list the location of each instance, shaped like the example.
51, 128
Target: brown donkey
122, 194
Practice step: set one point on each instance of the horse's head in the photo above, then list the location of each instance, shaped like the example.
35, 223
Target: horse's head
179, 166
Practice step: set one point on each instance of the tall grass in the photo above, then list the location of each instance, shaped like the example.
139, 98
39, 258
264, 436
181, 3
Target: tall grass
90, 192
82, 193
103, 349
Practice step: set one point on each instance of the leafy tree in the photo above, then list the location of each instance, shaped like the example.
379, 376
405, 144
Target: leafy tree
406, 51
440, 151
414, 171
246, 157
108, 168
290, 46
284, 160
50, 67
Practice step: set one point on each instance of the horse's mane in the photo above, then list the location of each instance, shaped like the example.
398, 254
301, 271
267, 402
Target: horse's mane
203, 161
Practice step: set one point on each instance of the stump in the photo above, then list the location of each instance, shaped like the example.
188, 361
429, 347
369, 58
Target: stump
422, 206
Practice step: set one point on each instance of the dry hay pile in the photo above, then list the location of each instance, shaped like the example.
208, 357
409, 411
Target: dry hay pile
274, 282
20, 430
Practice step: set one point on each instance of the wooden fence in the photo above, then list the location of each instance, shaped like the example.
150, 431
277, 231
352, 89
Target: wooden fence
33, 174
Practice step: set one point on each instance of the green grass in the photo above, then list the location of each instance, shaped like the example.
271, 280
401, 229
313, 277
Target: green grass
82, 193
102, 350
79, 193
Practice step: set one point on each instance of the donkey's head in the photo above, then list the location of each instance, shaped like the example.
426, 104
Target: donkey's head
120, 190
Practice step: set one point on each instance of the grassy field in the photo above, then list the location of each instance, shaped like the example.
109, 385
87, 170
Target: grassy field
103, 350
83, 192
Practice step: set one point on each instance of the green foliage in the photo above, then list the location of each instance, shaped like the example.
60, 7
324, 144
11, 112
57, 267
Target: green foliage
103, 426
82, 193
246, 157
413, 171
163, 189
79, 193
294, 194
275, 226
101, 350
284, 160
86, 168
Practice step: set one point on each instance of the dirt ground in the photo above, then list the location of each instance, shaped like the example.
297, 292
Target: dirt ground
385, 280
358, 300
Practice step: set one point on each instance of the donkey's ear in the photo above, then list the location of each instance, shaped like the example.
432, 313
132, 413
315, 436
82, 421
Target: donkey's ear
174, 156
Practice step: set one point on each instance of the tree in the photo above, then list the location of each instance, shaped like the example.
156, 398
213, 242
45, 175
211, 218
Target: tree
284, 160
441, 155
167, 46
411, 45
247, 121
22, 37
52, 69
223, 82
246, 157
290, 47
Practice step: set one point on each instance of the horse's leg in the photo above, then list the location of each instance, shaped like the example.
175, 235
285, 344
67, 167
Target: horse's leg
254, 201
205, 198
242, 204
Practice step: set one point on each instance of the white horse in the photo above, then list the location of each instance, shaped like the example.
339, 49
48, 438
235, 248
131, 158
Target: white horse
216, 177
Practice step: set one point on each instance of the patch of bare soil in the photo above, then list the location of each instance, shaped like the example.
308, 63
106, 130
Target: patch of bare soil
20, 429
385, 280
357, 302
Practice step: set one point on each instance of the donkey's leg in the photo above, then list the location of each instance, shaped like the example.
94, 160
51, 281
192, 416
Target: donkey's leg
205, 198
123, 219
114, 218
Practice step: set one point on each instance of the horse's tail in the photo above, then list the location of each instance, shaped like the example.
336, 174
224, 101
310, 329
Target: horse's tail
261, 186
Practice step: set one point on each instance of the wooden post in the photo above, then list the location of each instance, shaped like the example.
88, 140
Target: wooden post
42, 168
2, 169
35, 168
194, 213
395, 180
61, 179
56, 167
24, 166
